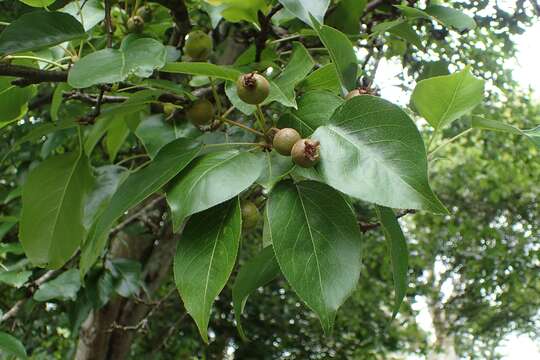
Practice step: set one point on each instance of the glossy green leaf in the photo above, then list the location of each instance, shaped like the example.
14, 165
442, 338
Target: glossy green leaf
140, 57
117, 134
107, 180
155, 132
432, 69
11, 346
443, 99
276, 167
310, 114
170, 160
202, 68
401, 29
412, 12
205, 258
255, 273
451, 17
37, 3
64, 287
299, 65
39, 29
324, 78
15, 278
346, 16
317, 244
211, 180
51, 226
126, 276
13, 100
398, 253
485, 124
305, 9
342, 54
373, 151
91, 14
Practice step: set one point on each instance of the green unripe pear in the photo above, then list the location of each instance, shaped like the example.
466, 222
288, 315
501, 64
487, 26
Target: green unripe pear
284, 140
305, 153
201, 113
250, 215
198, 45
135, 24
252, 88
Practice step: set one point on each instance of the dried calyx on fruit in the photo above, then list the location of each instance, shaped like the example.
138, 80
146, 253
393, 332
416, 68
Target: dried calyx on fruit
201, 113
305, 152
252, 88
284, 140
135, 24
198, 45
250, 215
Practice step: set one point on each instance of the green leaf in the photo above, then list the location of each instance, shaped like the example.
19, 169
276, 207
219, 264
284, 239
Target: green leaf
127, 276
107, 180
255, 273
485, 124
13, 100
451, 17
139, 57
398, 253
305, 9
170, 160
277, 167
91, 14
310, 114
51, 227
202, 68
64, 287
324, 78
37, 3
299, 65
156, 132
342, 54
403, 30
317, 244
432, 69
39, 29
15, 278
373, 151
346, 16
10, 345
412, 12
205, 257
117, 134
443, 99
211, 180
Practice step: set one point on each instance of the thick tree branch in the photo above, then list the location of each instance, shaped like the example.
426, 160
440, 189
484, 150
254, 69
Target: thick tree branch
365, 227
30, 75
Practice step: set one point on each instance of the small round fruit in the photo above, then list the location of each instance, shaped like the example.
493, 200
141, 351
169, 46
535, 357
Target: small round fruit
250, 215
145, 13
252, 88
169, 109
198, 45
284, 140
135, 24
305, 153
201, 112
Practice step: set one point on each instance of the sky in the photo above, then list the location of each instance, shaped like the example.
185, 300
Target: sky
526, 70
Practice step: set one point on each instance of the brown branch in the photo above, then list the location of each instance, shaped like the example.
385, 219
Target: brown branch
372, 5
32, 287
108, 23
92, 99
30, 75
180, 15
365, 227
266, 28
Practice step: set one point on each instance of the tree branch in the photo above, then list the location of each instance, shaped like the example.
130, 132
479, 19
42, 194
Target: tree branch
180, 15
266, 28
372, 5
30, 75
365, 227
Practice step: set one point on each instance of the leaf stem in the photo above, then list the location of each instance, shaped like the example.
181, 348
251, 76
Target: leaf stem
233, 144
247, 128
430, 155
260, 118
28, 57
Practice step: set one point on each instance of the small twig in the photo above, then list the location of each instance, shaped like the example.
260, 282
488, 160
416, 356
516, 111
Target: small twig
108, 23
247, 128
92, 99
372, 5
465, 132
32, 287
136, 215
365, 227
